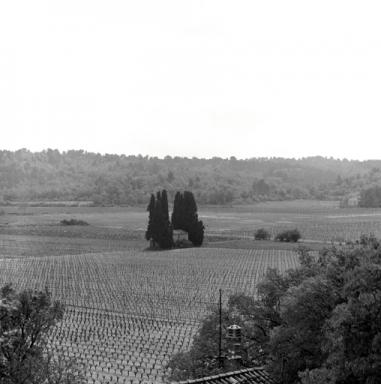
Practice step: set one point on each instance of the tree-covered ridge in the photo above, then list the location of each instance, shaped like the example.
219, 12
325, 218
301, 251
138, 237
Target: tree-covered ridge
119, 179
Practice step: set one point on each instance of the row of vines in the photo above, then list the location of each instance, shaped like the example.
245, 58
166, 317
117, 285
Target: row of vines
128, 312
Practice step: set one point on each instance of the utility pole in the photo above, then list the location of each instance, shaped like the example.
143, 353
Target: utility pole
220, 358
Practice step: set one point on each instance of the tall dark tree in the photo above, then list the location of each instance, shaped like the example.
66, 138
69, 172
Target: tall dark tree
164, 205
163, 225
190, 211
150, 209
159, 227
185, 217
196, 233
177, 213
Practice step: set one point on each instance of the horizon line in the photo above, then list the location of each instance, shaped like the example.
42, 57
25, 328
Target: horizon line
146, 156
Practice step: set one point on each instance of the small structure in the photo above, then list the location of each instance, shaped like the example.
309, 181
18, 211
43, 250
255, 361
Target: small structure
179, 235
256, 375
234, 339
350, 201
234, 333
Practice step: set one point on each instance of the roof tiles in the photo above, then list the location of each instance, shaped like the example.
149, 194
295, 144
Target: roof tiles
245, 376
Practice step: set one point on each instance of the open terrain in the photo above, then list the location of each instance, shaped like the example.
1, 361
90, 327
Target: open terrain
318, 221
128, 309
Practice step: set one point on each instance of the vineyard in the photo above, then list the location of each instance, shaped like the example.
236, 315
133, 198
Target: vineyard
128, 312
175, 285
113, 347
37, 245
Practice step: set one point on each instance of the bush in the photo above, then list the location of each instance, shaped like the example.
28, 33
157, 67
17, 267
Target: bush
290, 235
262, 234
73, 222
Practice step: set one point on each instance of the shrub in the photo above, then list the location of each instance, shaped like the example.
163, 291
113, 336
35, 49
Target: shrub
262, 234
73, 222
290, 235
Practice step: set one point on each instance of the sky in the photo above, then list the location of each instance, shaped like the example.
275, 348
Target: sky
192, 78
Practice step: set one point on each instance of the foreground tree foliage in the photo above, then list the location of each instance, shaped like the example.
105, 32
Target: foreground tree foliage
319, 323
25, 320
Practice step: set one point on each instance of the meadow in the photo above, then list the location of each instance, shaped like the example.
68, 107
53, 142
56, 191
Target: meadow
128, 310
318, 221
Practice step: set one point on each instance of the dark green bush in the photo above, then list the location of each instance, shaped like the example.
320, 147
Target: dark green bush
290, 236
262, 234
73, 222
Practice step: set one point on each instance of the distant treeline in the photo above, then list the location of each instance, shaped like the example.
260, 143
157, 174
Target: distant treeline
51, 175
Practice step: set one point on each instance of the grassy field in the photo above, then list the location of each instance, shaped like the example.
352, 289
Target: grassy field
317, 221
128, 309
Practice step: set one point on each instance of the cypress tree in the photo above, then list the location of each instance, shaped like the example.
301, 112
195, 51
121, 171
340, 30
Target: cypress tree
190, 216
196, 234
185, 217
165, 229
150, 209
177, 213
159, 228
158, 221
164, 205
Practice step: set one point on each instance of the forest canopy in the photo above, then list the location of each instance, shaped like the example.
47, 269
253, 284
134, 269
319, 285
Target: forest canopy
108, 179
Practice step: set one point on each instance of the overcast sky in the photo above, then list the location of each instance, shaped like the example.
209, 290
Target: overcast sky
192, 78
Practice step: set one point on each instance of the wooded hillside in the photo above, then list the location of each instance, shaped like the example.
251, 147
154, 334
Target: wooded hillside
129, 180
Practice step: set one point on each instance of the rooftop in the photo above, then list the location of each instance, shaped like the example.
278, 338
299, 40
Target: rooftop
256, 375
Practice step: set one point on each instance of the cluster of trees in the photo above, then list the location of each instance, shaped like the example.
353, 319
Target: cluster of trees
184, 217
128, 180
25, 321
73, 222
370, 197
289, 235
319, 323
